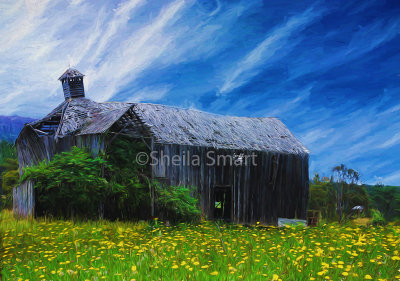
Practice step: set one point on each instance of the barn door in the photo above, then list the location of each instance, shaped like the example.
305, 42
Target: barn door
222, 202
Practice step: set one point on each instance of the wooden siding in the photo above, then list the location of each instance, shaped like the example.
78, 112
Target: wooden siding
23, 200
277, 186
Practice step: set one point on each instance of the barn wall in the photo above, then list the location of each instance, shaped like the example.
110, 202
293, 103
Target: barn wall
32, 149
23, 200
277, 186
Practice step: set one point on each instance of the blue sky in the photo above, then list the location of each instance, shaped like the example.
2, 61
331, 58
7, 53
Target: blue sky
328, 69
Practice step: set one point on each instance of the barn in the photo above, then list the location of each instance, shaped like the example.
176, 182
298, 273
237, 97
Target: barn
245, 170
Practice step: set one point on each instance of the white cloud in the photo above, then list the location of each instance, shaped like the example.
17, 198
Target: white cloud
134, 54
23, 24
112, 44
120, 18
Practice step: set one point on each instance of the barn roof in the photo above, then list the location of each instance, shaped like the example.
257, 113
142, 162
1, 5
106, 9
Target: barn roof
171, 125
71, 73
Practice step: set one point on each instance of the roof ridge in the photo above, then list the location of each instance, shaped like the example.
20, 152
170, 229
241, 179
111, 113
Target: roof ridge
201, 111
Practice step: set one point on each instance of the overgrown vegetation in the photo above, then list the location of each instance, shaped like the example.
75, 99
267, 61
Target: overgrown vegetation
71, 184
76, 184
135, 179
176, 204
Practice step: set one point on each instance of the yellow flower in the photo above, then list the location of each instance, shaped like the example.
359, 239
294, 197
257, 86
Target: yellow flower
205, 266
214, 273
134, 268
275, 277
345, 273
369, 277
175, 266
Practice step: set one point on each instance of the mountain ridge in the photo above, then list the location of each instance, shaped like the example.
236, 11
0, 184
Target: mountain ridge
10, 126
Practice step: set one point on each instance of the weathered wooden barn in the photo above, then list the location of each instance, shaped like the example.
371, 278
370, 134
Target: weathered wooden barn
274, 184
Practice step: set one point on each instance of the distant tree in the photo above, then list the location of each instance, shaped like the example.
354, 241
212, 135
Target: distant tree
9, 179
386, 199
348, 190
316, 179
322, 197
9, 173
7, 150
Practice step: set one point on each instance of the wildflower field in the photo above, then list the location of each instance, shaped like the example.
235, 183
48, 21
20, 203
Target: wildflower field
64, 250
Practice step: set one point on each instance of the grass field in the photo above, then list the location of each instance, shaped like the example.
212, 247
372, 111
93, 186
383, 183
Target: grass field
64, 250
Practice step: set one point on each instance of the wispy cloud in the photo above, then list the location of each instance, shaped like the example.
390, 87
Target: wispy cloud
151, 93
391, 179
366, 39
23, 23
391, 142
315, 135
326, 71
290, 105
134, 54
278, 39
120, 18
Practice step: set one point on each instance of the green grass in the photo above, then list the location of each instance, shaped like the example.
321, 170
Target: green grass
65, 250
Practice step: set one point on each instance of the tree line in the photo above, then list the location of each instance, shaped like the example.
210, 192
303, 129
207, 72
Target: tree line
342, 196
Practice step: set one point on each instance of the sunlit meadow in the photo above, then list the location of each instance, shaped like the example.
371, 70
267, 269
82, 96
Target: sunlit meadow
65, 250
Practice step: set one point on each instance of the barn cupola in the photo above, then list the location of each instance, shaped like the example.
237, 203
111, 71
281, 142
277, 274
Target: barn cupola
72, 83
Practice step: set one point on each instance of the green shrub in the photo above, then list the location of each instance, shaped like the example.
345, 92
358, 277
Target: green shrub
71, 184
74, 184
377, 217
176, 204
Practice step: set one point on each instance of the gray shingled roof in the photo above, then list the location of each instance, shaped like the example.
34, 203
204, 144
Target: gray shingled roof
171, 125
71, 73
